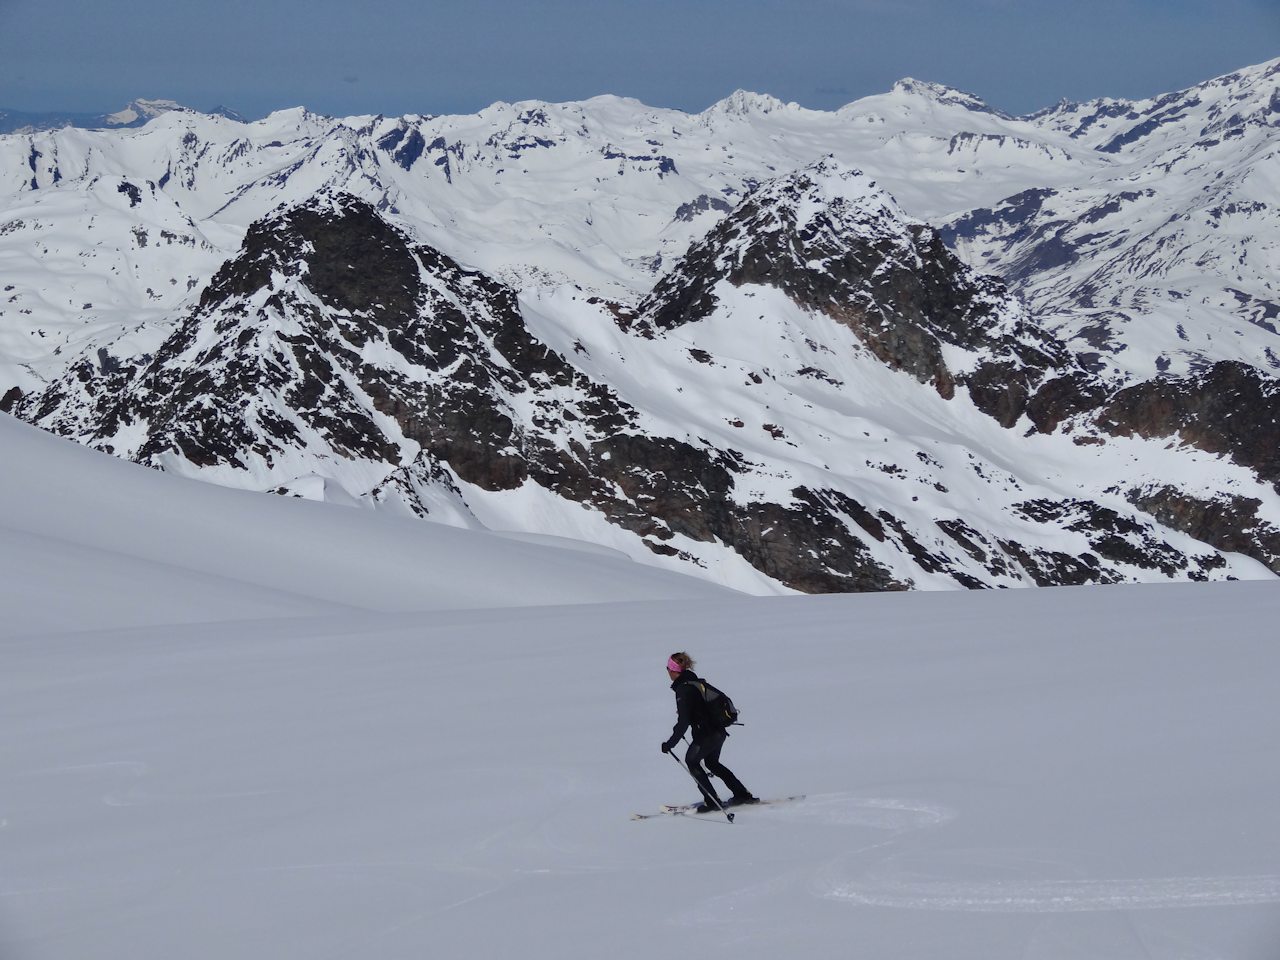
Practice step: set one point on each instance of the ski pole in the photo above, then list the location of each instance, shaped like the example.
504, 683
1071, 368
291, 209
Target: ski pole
727, 814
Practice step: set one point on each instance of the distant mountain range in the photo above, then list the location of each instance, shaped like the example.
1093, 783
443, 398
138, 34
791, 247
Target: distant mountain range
910, 343
136, 114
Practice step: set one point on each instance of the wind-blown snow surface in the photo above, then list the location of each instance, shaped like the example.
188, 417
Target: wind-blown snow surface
1039, 774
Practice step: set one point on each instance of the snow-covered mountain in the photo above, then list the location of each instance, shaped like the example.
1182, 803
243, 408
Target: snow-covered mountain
136, 113
727, 342
1167, 260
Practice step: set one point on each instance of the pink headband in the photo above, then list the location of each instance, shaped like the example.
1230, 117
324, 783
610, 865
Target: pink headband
674, 667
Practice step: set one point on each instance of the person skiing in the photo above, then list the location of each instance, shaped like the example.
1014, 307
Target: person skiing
708, 737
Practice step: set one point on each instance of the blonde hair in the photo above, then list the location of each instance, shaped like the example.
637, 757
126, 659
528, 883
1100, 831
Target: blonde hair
683, 659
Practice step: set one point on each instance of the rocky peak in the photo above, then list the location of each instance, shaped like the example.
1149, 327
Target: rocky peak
333, 345
272, 360
226, 113
846, 197
836, 244
744, 103
941, 93
1064, 105
351, 257
771, 237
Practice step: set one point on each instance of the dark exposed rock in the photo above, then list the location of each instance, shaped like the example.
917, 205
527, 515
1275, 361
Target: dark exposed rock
1062, 398
1112, 535
1105, 111
928, 562
1167, 109
1054, 568
807, 547
1001, 390
390, 141
701, 204
1259, 312
1010, 218
1047, 248
132, 192
1232, 409
868, 280
1113, 205
410, 150
1225, 522
992, 554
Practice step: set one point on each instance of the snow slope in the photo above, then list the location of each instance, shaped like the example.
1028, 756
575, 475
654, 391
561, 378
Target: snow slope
1048, 774
1042, 774
91, 540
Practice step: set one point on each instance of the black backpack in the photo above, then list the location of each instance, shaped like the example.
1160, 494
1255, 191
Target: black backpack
718, 709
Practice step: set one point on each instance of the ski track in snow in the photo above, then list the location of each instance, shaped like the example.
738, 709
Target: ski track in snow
1062, 896
136, 798
136, 767
899, 816
877, 812
1039, 896
1008, 896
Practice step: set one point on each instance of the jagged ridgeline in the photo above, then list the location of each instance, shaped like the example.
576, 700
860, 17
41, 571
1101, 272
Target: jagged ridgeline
1010, 351
818, 396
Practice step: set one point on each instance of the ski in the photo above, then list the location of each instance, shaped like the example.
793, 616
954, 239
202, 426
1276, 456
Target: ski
689, 809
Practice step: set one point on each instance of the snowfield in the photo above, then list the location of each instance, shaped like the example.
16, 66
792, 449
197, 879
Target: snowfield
144, 547
254, 727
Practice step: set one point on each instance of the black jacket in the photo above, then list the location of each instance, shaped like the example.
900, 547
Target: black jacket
690, 707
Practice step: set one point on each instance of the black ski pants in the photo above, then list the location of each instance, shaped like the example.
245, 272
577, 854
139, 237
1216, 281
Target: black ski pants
705, 750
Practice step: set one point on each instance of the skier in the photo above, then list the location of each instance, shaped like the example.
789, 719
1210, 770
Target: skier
708, 738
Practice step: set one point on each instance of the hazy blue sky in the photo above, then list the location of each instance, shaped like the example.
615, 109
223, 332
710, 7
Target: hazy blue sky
449, 56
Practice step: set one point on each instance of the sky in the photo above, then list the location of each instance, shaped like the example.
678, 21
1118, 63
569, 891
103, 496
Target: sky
457, 56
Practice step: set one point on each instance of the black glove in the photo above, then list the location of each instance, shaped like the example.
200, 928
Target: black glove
666, 747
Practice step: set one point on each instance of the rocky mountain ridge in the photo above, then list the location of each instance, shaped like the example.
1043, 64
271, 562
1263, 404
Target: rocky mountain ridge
1167, 261
661, 333
336, 344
